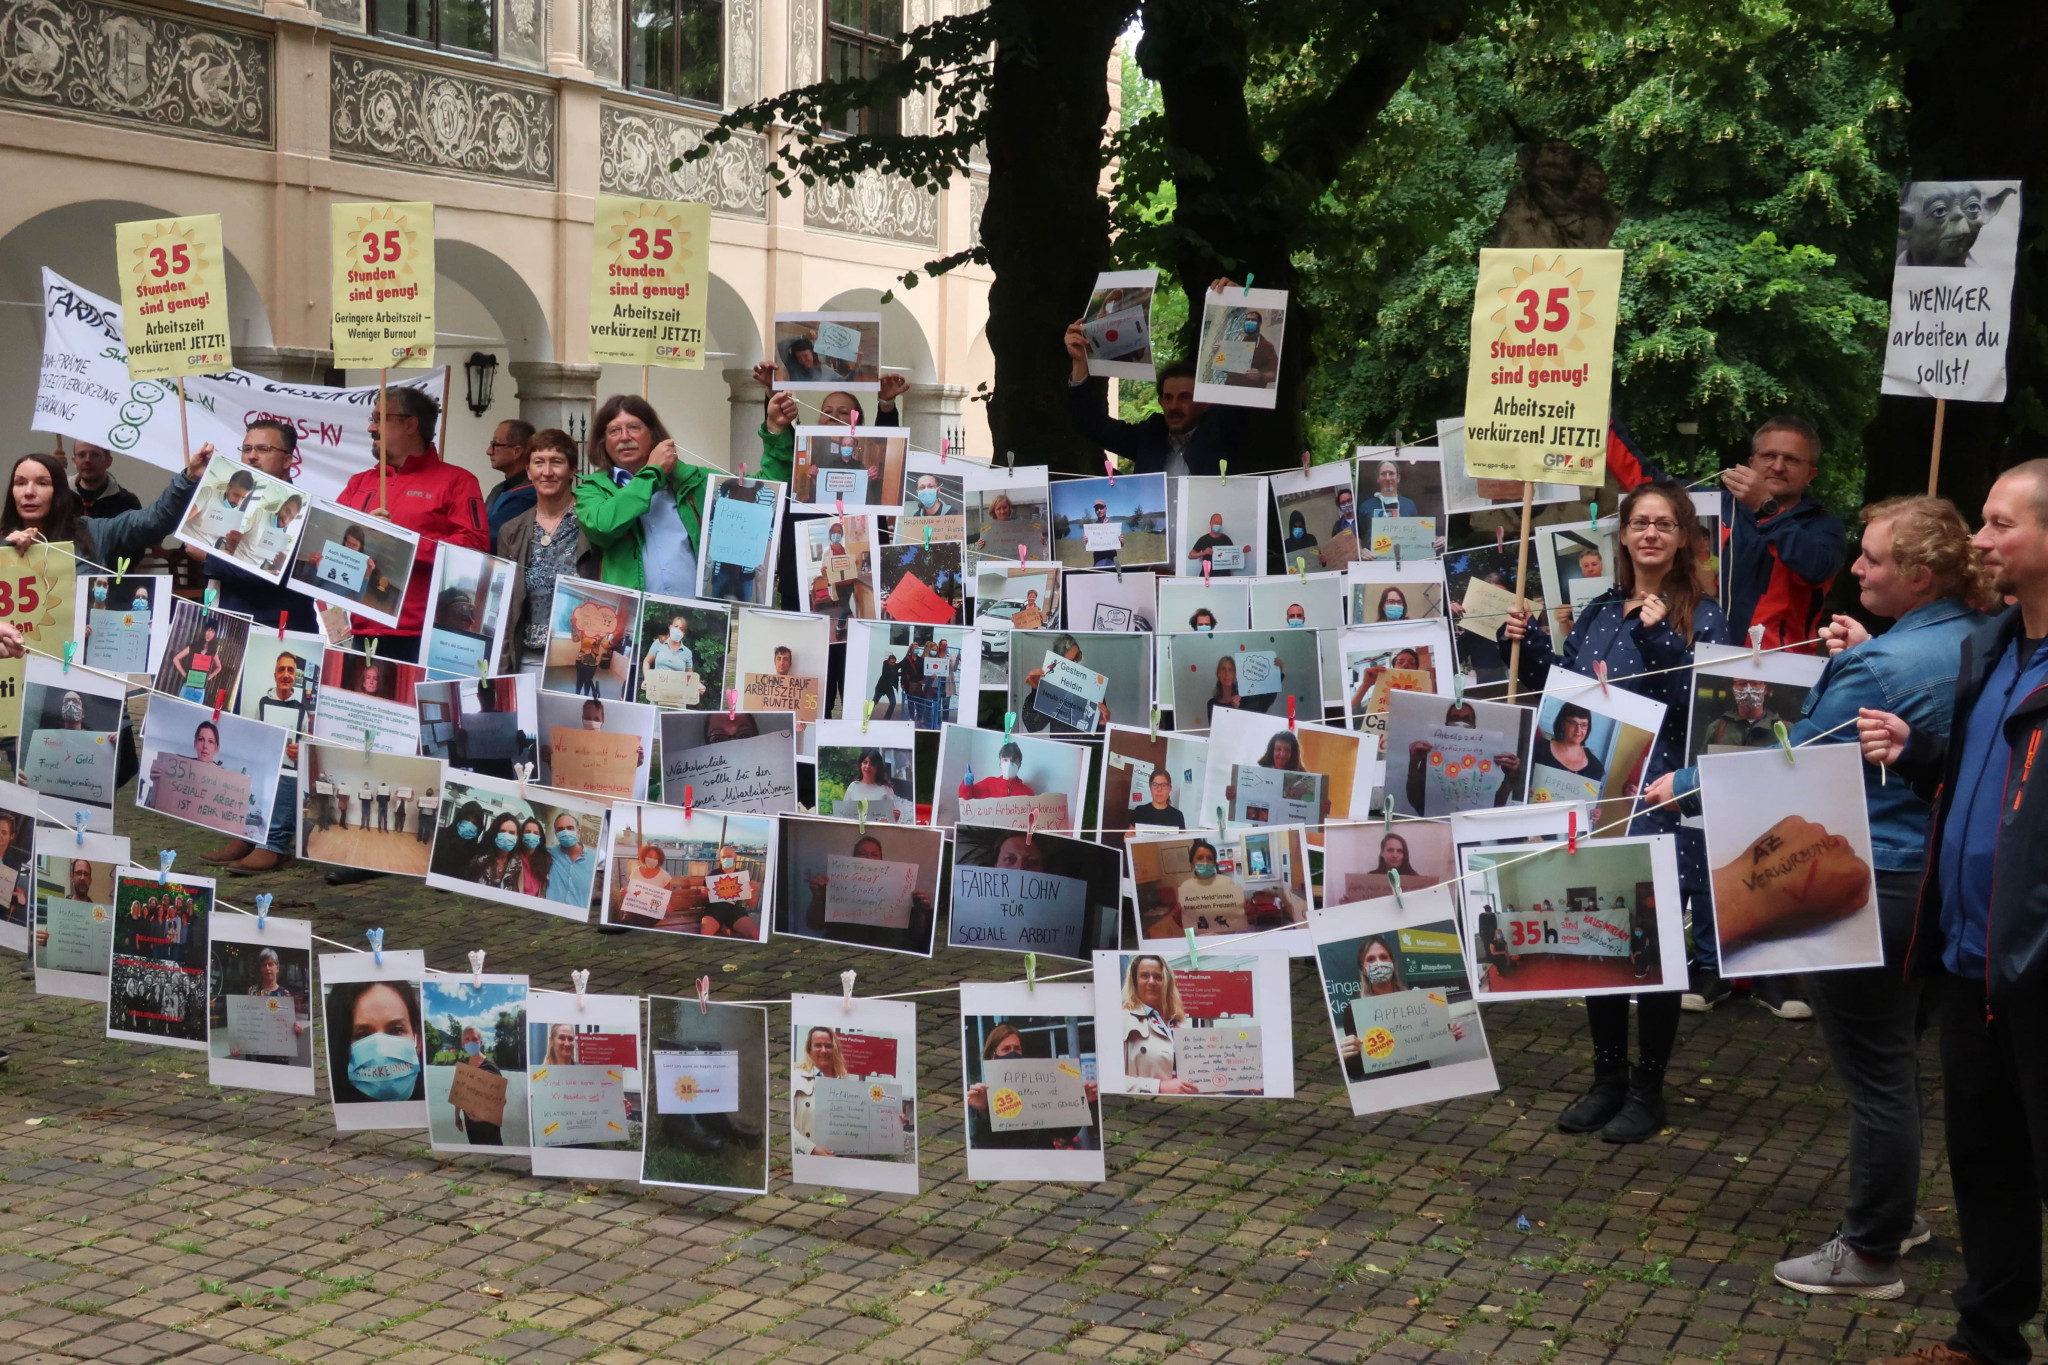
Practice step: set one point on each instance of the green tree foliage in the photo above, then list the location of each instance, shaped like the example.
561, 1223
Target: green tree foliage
1756, 167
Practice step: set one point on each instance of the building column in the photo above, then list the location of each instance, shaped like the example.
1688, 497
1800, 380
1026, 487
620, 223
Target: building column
287, 364
934, 412
748, 401
553, 394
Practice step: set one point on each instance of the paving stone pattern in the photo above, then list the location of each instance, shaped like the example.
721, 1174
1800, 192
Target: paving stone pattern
146, 1216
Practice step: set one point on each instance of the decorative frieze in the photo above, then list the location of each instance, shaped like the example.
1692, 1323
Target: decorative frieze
387, 111
635, 146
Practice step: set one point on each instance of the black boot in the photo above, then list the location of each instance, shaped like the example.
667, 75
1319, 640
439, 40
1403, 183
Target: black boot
1642, 1116
1599, 1104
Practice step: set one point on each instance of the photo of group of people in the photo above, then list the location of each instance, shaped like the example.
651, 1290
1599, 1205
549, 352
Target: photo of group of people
1546, 921
517, 844
156, 984
911, 672
246, 516
373, 811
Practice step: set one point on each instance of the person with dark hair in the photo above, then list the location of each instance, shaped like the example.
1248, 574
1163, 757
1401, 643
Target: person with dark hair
41, 506
421, 492
1299, 541
1782, 548
1183, 438
872, 782
1283, 751
497, 863
1007, 783
94, 487
374, 1042
513, 492
545, 542
642, 505
1003, 1042
1566, 749
1160, 810
885, 685
1068, 648
1644, 629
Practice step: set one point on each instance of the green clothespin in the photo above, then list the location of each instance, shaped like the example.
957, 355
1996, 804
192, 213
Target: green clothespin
1155, 725
121, 568
212, 596
1009, 724
927, 537
1194, 953
1458, 686
1219, 817
1784, 740
1301, 567
1248, 278
369, 733
71, 648
1394, 880
863, 815
1387, 818
1031, 971
1222, 473
867, 709
370, 648
1593, 513
483, 669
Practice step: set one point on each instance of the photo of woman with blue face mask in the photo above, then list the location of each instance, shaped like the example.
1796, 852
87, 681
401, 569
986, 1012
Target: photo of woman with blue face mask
373, 1043
517, 846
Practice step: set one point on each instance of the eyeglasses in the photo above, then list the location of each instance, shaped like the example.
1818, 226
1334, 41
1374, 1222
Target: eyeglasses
505, 445
1662, 525
262, 450
1778, 457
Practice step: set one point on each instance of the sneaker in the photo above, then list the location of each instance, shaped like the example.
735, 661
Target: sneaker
1774, 993
1708, 990
1837, 1269
1920, 1235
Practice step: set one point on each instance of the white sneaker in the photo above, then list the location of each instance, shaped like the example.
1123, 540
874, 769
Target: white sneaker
1920, 1235
1836, 1269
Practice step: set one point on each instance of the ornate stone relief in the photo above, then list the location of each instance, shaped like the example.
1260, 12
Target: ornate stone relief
521, 26
977, 200
742, 52
875, 205
601, 49
636, 144
390, 111
806, 41
348, 14
121, 65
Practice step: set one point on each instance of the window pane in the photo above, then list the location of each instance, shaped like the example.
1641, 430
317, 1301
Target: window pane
467, 24
406, 18
881, 114
842, 63
885, 17
652, 25
701, 29
847, 12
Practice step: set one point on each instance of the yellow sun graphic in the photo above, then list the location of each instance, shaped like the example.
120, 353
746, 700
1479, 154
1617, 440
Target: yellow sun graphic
651, 234
385, 238
1545, 303
164, 247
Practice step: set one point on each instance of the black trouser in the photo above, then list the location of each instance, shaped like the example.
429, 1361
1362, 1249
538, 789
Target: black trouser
384, 814
1870, 1017
1994, 1069
1656, 1028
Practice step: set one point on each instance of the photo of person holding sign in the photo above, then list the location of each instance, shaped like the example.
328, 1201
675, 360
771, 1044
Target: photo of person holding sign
1152, 1011
876, 889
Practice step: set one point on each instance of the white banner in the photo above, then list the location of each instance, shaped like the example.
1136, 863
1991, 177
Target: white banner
84, 392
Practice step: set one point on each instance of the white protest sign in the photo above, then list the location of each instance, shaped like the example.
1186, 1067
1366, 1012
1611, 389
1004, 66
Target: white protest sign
838, 342
84, 392
755, 776
1025, 911
1102, 535
1014, 812
73, 764
1952, 290
696, 1082
871, 891
342, 568
1033, 1093
851, 1116
1401, 1029
1069, 693
648, 900
576, 1104
261, 1025
1228, 1057
1258, 672
81, 936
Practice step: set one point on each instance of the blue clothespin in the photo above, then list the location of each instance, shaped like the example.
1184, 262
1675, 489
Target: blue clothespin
262, 911
70, 649
1394, 880
1784, 740
164, 861
1194, 953
1248, 278
376, 937
79, 818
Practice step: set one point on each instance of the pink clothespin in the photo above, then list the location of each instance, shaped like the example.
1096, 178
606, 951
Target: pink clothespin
743, 469
1304, 462
703, 995
1500, 533
689, 800
1205, 573
1571, 828
1109, 463
732, 703
840, 498
1020, 556
1031, 829
1600, 672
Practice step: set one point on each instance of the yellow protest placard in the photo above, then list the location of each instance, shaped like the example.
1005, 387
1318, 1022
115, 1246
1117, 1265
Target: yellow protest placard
35, 598
174, 296
650, 273
383, 289
1542, 364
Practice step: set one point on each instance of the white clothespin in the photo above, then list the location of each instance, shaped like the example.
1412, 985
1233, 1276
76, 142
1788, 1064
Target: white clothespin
476, 968
703, 995
846, 979
524, 772
262, 911
579, 979
164, 861
1458, 686
864, 816
1756, 645
376, 937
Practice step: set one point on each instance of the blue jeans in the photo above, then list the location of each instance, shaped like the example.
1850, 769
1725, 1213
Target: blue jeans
284, 817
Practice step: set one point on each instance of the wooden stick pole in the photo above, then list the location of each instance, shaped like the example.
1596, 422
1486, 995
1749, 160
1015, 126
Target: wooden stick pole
383, 416
184, 437
643, 381
1521, 579
1934, 469
447, 378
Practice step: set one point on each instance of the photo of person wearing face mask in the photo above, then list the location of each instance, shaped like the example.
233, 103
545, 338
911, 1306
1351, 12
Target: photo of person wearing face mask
933, 496
1299, 541
1743, 723
1379, 974
1205, 545
374, 1042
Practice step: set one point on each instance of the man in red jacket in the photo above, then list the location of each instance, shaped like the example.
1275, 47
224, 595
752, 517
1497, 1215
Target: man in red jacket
423, 493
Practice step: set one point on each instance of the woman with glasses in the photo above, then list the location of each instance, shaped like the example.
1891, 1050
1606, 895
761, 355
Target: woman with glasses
1644, 629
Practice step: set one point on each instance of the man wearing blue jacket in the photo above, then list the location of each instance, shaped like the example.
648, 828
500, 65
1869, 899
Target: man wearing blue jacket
1982, 928
1782, 549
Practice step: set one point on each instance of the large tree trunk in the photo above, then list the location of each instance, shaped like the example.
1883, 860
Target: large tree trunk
1979, 111
1046, 225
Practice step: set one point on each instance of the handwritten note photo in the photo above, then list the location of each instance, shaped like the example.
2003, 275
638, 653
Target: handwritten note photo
218, 774
476, 1063
1028, 1063
853, 1093
602, 748
71, 737
72, 936
877, 889
260, 1003
355, 561
585, 1101
1032, 893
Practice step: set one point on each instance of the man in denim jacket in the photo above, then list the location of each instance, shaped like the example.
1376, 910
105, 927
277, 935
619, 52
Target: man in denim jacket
1918, 567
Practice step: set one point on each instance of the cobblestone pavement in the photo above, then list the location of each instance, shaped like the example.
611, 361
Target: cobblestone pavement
146, 1216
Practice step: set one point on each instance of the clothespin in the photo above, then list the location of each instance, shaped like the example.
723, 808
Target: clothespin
732, 703
689, 800
846, 979
703, 995
1031, 971
1304, 462
1020, 556
1458, 686
1593, 512
70, 648
1387, 817
376, 937
1011, 457
840, 498
164, 861
1009, 724
1571, 830
262, 911
945, 444
1205, 573
121, 568
476, 968
743, 470
1290, 712
1301, 567
1222, 473
927, 537
1109, 463
1784, 740
1194, 953
1500, 534
1600, 672
216, 710
524, 772
79, 818
282, 617
1219, 817
1155, 725
1756, 645
369, 733
483, 669
1248, 278
212, 596
867, 710
864, 815
1394, 880
579, 979
370, 647
1397, 559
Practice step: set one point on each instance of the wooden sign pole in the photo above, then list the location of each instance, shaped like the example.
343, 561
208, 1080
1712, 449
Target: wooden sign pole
1521, 578
447, 378
184, 438
643, 381
1934, 469
383, 416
